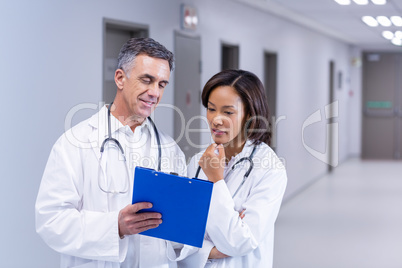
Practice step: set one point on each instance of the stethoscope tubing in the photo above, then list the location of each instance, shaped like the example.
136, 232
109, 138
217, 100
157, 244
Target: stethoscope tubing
249, 158
110, 138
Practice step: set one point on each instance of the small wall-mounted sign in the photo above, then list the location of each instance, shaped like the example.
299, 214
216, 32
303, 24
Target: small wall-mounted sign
379, 104
189, 17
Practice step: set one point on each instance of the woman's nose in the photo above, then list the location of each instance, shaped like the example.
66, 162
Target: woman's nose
217, 120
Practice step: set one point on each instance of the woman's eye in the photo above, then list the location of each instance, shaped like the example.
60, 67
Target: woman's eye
210, 109
228, 113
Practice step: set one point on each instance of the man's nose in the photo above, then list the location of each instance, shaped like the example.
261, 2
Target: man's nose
153, 90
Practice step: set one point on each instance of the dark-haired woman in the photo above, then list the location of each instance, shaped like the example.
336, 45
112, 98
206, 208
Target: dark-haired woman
244, 207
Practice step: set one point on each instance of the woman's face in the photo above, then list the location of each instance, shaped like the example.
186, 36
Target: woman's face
226, 114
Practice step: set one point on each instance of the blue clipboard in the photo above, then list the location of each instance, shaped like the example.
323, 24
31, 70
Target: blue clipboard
183, 203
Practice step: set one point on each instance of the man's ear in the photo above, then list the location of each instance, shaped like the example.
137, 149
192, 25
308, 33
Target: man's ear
119, 78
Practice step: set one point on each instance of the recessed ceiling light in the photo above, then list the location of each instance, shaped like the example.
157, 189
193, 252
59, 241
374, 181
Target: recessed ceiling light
397, 42
379, 2
361, 2
398, 34
396, 20
370, 21
384, 21
388, 35
343, 2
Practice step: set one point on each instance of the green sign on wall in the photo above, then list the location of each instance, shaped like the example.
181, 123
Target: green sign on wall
379, 104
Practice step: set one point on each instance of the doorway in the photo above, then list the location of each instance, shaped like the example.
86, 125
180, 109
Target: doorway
230, 56
331, 118
270, 84
382, 106
115, 34
187, 94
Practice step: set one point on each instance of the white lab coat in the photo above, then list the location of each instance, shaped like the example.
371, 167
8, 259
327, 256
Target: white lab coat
77, 219
250, 241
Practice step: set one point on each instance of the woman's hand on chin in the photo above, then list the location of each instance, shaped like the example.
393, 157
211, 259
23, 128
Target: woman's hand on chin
213, 163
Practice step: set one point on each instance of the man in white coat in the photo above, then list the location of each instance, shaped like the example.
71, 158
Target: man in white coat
81, 211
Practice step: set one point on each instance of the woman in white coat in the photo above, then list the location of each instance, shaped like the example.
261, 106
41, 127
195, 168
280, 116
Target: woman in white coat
243, 210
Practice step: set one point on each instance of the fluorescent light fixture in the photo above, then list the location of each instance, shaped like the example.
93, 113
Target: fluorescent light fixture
384, 21
388, 35
370, 21
379, 2
396, 20
361, 2
397, 42
398, 34
343, 2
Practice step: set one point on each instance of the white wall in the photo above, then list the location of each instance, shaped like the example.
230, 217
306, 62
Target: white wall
303, 78
51, 60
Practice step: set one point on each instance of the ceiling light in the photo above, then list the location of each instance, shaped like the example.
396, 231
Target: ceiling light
388, 35
384, 21
361, 2
379, 2
343, 2
370, 21
397, 42
396, 20
398, 34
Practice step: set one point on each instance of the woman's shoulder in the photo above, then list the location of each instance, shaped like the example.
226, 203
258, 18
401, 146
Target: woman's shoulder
266, 158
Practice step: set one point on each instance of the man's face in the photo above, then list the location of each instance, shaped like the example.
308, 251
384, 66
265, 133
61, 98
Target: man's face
143, 87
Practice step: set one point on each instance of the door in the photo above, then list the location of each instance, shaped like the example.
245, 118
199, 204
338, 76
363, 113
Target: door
332, 157
270, 71
115, 34
230, 56
382, 98
187, 94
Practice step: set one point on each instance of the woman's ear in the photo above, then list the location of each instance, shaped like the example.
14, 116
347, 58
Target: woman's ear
119, 78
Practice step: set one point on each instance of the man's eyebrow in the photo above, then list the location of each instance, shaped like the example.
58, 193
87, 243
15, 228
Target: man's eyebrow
153, 78
147, 76
164, 81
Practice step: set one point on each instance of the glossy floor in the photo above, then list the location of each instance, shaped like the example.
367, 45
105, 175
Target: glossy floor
351, 218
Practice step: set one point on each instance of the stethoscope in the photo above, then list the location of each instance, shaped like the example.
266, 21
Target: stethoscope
250, 168
109, 138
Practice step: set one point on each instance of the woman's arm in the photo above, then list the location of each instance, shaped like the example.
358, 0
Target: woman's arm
234, 236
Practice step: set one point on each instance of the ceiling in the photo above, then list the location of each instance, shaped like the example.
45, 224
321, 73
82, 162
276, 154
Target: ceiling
341, 22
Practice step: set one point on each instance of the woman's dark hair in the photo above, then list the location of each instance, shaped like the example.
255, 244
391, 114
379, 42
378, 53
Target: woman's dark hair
252, 93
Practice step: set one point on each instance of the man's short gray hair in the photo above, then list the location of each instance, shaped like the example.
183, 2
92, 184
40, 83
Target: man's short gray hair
142, 46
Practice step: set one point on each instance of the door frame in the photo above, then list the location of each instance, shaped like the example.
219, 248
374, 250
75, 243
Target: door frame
108, 23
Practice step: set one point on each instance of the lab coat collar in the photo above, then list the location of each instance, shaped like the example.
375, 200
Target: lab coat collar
100, 121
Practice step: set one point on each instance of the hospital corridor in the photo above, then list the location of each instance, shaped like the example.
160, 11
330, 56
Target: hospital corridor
300, 99
349, 218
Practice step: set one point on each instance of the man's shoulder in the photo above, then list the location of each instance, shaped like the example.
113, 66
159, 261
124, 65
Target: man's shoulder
81, 135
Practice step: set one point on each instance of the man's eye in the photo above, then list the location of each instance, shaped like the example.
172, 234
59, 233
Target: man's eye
162, 85
146, 80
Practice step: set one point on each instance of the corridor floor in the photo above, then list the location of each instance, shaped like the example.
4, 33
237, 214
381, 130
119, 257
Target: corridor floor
351, 218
